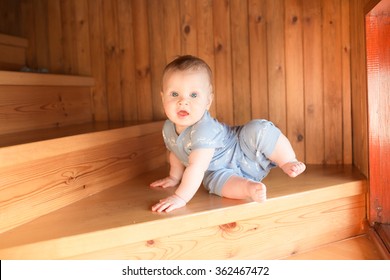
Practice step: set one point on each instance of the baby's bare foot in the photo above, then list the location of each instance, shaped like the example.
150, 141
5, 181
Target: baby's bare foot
258, 192
293, 168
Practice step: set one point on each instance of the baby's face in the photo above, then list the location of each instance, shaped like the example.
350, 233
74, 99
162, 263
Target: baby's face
186, 96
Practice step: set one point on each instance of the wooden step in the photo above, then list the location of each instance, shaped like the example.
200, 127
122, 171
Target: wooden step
12, 52
44, 170
30, 101
323, 205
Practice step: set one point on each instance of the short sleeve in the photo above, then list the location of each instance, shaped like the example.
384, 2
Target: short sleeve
207, 133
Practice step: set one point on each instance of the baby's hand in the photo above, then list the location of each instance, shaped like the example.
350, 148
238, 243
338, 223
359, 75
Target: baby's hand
166, 182
168, 204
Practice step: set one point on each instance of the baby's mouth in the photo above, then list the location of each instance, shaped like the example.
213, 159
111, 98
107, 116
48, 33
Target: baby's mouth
182, 113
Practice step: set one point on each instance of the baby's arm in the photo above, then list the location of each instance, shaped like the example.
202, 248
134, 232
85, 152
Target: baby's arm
175, 173
199, 161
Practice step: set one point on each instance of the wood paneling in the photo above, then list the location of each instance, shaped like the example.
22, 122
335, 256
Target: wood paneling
284, 60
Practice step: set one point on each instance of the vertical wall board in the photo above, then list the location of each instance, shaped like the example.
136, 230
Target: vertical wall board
112, 58
223, 65
240, 61
81, 35
157, 55
294, 77
27, 31
204, 11
313, 82
258, 58
172, 43
41, 33
346, 83
276, 63
127, 57
189, 30
55, 46
332, 82
143, 88
98, 69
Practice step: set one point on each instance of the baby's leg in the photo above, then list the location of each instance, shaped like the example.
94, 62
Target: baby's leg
284, 156
240, 188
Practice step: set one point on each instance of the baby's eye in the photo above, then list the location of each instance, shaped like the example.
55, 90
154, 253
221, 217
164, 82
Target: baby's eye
174, 94
194, 95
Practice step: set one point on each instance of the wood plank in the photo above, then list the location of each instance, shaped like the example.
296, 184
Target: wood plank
276, 64
98, 70
56, 51
355, 248
15, 57
258, 58
359, 86
240, 62
27, 24
333, 193
127, 58
143, 87
56, 176
313, 83
28, 108
157, 61
172, 29
9, 78
81, 37
223, 92
69, 44
15, 41
378, 61
41, 33
112, 60
295, 82
204, 11
10, 15
346, 82
189, 30
242, 239
332, 82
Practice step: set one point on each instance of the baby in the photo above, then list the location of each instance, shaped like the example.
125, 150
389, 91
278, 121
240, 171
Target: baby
231, 161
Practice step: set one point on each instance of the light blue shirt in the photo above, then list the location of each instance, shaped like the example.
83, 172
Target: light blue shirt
241, 149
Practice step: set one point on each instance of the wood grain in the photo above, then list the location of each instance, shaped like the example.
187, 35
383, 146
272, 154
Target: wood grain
12, 52
295, 83
28, 108
58, 172
355, 248
331, 193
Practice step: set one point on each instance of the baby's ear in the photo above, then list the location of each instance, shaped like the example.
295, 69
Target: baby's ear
210, 100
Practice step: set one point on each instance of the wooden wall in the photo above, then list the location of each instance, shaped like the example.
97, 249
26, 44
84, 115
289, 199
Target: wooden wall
285, 60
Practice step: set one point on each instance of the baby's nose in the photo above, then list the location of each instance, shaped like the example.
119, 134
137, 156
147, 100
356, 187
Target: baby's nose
183, 101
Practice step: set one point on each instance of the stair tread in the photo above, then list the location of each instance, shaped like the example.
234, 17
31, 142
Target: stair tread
38, 135
122, 213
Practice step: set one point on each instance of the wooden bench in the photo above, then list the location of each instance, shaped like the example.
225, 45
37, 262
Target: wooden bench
324, 205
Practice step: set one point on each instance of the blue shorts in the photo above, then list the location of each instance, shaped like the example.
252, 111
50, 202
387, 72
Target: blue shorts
256, 142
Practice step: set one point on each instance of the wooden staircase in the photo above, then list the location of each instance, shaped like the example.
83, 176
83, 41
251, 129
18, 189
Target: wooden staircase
73, 188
